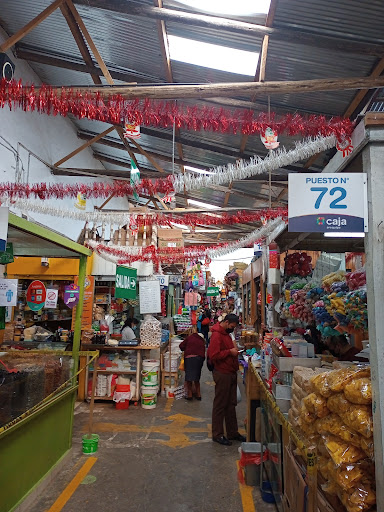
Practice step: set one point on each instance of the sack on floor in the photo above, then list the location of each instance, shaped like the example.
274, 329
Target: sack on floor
238, 394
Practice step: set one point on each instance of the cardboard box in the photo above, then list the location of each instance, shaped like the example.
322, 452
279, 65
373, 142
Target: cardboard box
170, 237
294, 485
286, 364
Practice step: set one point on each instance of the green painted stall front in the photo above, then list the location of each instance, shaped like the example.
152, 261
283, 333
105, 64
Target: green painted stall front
32, 447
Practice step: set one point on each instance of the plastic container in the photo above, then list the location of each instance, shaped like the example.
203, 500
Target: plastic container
267, 493
169, 391
122, 405
150, 372
90, 443
250, 460
149, 397
171, 364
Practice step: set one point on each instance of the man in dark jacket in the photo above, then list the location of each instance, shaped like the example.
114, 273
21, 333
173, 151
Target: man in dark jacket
223, 354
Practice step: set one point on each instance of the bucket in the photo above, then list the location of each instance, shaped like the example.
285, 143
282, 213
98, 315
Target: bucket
250, 460
169, 391
150, 372
171, 365
149, 397
90, 444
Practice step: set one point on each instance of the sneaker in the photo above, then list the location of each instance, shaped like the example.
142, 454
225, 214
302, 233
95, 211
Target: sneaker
238, 437
222, 440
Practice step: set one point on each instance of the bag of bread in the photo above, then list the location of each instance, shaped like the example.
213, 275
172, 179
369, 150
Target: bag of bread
367, 446
359, 391
338, 403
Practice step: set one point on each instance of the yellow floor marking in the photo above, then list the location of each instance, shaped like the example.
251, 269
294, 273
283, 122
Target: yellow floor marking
246, 496
169, 404
177, 430
73, 485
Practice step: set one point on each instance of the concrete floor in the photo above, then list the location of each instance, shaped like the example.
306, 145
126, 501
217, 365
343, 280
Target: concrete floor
159, 460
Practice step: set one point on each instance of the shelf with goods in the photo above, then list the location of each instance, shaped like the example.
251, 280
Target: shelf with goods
110, 371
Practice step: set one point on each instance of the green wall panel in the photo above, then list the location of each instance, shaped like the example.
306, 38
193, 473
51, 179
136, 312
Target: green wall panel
29, 451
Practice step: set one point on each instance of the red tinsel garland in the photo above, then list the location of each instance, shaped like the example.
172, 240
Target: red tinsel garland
202, 219
94, 190
116, 109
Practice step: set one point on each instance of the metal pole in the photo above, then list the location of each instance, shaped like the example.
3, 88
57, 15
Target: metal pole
79, 312
373, 156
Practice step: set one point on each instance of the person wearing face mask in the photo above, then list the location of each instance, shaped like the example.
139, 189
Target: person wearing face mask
223, 355
128, 331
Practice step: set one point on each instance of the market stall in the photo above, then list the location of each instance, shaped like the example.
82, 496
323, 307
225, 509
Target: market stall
39, 433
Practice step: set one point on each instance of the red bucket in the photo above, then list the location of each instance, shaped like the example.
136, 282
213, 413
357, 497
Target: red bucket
122, 405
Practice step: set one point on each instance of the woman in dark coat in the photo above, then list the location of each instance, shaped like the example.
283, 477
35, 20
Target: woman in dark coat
194, 354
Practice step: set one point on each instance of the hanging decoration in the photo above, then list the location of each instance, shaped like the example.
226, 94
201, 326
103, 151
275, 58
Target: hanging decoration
131, 130
135, 178
149, 219
129, 254
345, 146
269, 138
113, 109
81, 201
175, 183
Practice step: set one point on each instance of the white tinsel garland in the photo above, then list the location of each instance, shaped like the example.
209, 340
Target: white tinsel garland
242, 170
221, 175
254, 236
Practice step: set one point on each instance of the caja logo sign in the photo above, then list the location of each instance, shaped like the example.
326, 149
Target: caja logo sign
320, 221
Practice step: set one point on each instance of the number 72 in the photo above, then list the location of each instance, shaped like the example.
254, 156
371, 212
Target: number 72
335, 203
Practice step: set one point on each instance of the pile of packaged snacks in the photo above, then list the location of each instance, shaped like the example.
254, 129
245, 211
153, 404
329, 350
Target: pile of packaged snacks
337, 415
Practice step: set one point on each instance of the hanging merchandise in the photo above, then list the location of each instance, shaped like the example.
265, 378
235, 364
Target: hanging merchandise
71, 295
269, 138
36, 295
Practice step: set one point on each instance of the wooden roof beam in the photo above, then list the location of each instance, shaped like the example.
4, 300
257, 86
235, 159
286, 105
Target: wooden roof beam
174, 91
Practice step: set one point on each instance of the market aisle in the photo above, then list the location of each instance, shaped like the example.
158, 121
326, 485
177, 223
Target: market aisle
154, 460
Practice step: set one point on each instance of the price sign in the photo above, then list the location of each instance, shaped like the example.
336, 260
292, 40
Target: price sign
163, 280
327, 202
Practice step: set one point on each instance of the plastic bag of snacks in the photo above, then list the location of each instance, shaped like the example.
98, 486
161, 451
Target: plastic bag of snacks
359, 391
316, 404
359, 499
342, 452
321, 385
357, 417
338, 379
333, 424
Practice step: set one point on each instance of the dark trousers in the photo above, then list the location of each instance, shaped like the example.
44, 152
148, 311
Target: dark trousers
224, 404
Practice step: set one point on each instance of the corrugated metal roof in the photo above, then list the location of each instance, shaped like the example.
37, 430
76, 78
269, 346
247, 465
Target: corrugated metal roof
131, 43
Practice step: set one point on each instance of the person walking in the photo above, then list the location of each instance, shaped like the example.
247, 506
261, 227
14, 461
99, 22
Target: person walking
205, 323
194, 354
223, 355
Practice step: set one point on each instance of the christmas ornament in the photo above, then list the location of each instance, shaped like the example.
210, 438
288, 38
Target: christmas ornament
131, 130
269, 138
81, 201
345, 146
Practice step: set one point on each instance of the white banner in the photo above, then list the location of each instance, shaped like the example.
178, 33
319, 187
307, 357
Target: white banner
327, 202
51, 299
8, 292
149, 296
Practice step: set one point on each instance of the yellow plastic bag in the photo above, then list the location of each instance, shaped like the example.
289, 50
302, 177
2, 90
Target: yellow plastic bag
181, 366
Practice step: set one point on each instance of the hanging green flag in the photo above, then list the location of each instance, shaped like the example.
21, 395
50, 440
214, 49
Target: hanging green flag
135, 177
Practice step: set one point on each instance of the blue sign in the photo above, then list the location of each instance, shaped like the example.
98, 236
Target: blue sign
325, 202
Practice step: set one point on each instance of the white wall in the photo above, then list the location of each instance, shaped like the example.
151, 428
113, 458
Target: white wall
220, 266
51, 138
